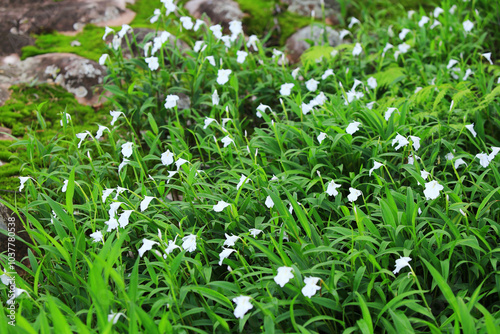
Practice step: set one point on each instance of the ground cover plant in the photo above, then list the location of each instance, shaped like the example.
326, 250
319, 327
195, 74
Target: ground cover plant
232, 192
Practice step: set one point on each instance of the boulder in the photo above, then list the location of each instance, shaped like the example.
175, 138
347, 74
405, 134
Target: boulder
76, 74
298, 42
20, 19
219, 11
306, 7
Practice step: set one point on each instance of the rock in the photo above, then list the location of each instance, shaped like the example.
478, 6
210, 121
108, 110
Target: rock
76, 74
4, 135
19, 19
219, 11
305, 7
297, 44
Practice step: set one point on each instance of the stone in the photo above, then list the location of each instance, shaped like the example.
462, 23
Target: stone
306, 7
21, 18
76, 74
219, 11
297, 43
5, 135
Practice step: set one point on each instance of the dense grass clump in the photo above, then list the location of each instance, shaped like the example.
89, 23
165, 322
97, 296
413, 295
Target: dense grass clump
232, 192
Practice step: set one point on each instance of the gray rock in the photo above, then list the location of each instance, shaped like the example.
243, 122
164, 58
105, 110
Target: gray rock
297, 43
76, 74
305, 7
219, 11
20, 18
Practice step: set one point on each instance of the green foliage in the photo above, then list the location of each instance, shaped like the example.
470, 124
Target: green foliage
340, 205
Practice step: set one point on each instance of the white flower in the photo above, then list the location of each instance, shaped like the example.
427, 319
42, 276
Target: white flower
217, 31
198, 45
171, 101
147, 245
468, 72
311, 286
112, 224
145, 202
125, 29
435, 24
353, 22
97, 236
319, 100
236, 28
352, 127
463, 213
225, 254
459, 162
331, 190
100, 131
252, 42
468, 25
372, 82
356, 51
243, 180
370, 105
17, 293
376, 165
255, 232
123, 164
284, 275
438, 11
115, 115
401, 263
221, 205
113, 208
127, 149
403, 33
152, 63
411, 158
227, 141
106, 193
82, 136
261, 109
389, 112
114, 317
211, 60
306, 108
312, 85
189, 243
295, 72
493, 153
416, 142
243, 305
230, 240
451, 63
386, 48
354, 194
449, 156
470, 127
343, 33
124, 217
223, 76
286, 89
321, 137
424, 174
171, 246
432, 189
327, 74
269, 202
107, 31
156, 16
102, 59
424, 20
198, 24
187, 23
403, 48
483, 159
401, 141
68, 118
167, 158
227, 41
180, 162
351, 95
117, 42
65, 186
241, 56
488, 57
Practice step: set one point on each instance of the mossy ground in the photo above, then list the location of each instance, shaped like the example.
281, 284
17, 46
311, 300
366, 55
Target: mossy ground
20, 113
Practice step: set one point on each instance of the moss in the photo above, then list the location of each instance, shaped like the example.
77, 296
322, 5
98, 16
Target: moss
259, 19
92, 46
143, 11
